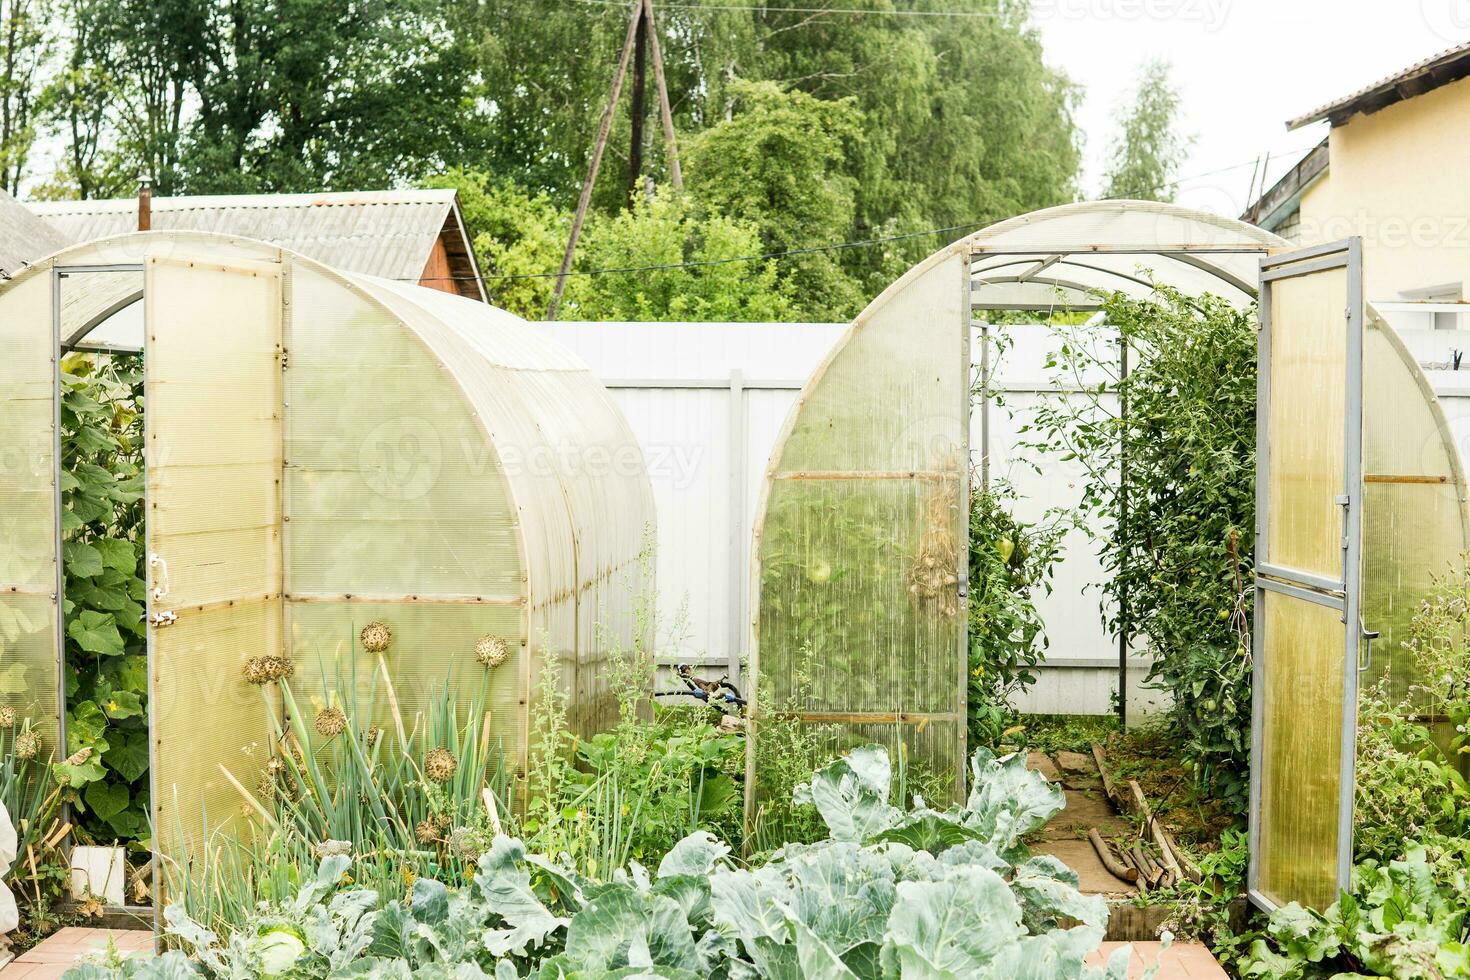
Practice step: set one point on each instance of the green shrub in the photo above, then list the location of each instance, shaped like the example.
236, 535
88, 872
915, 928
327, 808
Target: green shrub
1010, 563
1175, 533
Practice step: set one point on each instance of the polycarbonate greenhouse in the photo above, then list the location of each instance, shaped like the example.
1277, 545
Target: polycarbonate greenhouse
859, 572
324, 451
861, 552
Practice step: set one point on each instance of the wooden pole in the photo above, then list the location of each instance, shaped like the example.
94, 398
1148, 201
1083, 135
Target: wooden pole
603, 128
665, 111
636, 108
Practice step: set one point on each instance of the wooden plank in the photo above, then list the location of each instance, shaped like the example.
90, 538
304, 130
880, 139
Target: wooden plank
1395, 478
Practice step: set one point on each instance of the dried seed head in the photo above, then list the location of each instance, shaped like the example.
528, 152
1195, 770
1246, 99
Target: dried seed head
264, 670
439, 765
371, 736
426, 832
265, 788
79, 757
491, 651
332, 848
257, 670
331, 722
27, 745
7, 716
445, 821
275, 766
375, 637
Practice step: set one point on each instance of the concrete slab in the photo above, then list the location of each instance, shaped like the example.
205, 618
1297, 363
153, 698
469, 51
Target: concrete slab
1041, 762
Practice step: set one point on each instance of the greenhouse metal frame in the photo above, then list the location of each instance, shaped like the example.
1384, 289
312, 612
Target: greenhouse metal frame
324, 451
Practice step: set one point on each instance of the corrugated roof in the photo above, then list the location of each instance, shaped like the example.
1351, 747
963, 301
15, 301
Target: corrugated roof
389, 234
24, 237
1448, 66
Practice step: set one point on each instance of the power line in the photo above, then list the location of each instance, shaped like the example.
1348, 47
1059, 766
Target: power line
706, 263
763, 8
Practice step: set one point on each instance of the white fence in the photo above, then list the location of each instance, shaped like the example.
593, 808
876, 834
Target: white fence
707, 402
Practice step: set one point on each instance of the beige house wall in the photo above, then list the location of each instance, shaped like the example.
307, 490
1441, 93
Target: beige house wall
1399, 179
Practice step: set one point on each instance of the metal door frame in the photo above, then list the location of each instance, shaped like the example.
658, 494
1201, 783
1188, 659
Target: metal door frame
1343, 595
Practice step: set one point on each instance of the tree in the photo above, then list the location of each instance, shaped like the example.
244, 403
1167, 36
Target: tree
708, 274
515, 234
1149, 147
27, 45
777, 163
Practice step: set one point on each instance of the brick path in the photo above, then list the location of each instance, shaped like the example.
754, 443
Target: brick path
61, 950
1181, 961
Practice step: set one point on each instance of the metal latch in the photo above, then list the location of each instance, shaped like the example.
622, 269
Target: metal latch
163, 619
1368, 637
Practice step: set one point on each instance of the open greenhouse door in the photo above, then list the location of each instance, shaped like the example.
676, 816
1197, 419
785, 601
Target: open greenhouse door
1308, 546
214, 464
30, 573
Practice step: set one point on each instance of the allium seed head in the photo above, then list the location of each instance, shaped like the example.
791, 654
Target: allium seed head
491, 651
375, 637
440, 766
331, 722
27, 745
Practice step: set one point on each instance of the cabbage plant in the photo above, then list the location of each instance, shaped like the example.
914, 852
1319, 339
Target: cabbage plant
892, 893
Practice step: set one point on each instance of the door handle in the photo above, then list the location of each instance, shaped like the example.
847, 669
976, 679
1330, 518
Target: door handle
1368, 636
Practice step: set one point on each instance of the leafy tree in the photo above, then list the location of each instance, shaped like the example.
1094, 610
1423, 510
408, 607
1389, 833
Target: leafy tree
1149, 148
1175, 534
777, 163
705, 285
27, 44
515, 233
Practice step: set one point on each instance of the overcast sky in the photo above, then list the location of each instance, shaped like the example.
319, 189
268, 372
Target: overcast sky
1243, 67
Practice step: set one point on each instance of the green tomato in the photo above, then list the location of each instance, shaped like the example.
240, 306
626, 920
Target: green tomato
1006, 547
819, 571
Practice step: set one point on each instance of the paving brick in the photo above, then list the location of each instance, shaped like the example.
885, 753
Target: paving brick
1181, 961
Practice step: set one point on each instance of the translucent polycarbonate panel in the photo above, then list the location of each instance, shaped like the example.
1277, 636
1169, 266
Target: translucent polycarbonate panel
1414, 518
207, 724
1305, 428
29, 680
860, 625
577, 476
27, 437
1106, 242
89, 298
433, 646
1299, 766
393, 485
214, 433
29, 657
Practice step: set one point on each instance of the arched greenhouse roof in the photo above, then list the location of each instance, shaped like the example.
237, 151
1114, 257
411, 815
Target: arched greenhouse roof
1063, 257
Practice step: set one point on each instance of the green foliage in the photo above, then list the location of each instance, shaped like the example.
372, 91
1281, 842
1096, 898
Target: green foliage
776, 163
671, 230
1403, 918
1010, 563
890, 894
1175, 533
516, 234
1149, 149
105, 769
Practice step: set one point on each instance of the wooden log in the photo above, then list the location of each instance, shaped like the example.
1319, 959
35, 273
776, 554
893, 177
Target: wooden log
1102, 770
1105, 855
665, 111
1151, 870
1191, 870
1155, 830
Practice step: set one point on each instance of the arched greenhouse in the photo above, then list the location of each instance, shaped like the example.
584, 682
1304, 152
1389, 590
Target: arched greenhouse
326, 454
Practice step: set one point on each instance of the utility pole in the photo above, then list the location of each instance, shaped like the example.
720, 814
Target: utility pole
636, 110
641, 27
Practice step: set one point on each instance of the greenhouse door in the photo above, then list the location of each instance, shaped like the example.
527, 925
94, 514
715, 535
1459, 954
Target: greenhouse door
214, 465
1308, 536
